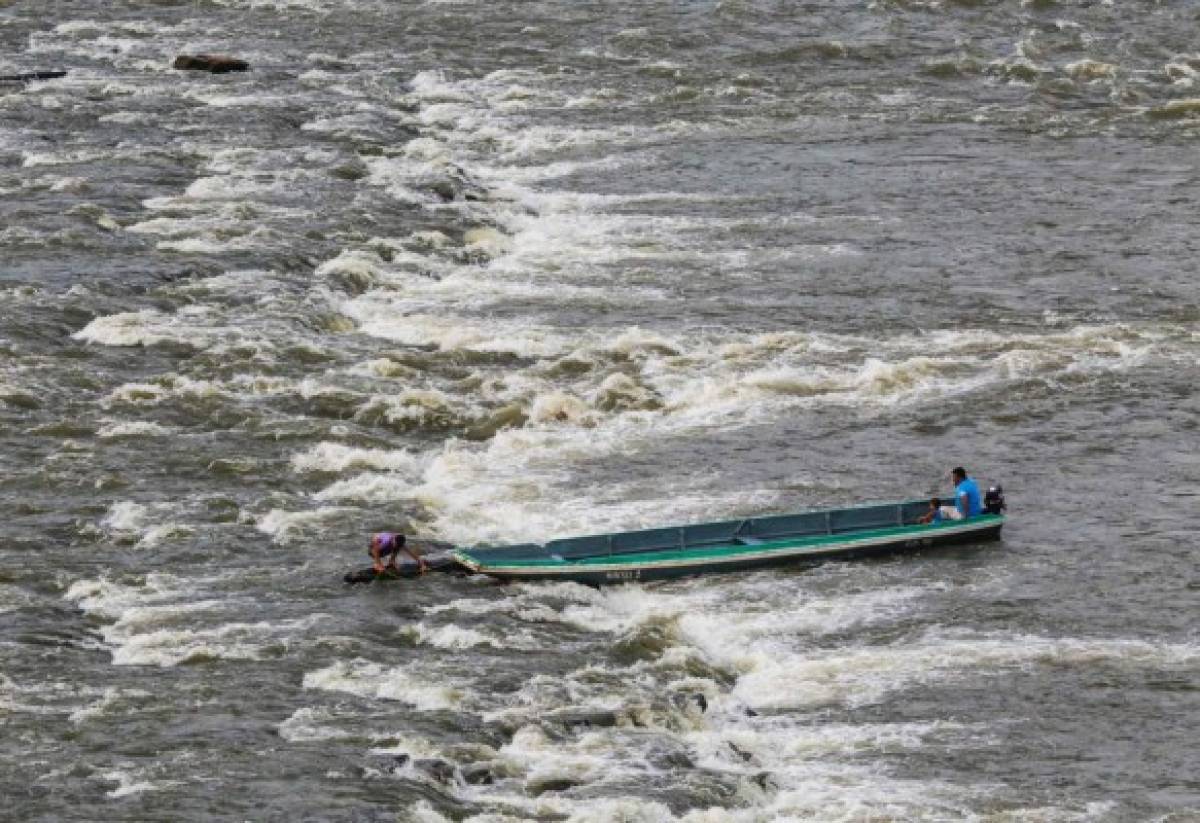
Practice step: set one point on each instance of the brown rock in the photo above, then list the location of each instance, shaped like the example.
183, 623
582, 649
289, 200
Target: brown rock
215, 63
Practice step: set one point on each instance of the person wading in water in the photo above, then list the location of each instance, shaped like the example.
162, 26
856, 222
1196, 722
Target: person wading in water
389, 545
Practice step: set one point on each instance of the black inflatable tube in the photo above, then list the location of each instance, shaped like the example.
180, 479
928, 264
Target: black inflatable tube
435, 562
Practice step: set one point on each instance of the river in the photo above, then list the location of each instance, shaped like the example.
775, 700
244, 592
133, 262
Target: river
508, 271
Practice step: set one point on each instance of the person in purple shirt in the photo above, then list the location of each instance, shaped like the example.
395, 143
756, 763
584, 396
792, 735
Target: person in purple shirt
389, 545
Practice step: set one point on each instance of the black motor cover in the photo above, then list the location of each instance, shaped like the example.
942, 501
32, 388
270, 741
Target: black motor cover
993, 500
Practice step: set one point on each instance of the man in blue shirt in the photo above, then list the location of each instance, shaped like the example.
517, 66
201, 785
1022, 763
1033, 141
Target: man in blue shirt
967, 501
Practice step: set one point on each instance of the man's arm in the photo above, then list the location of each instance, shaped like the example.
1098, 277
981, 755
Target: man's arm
378, 564
411, 552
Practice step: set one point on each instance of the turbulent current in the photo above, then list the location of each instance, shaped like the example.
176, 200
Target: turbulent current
509, 271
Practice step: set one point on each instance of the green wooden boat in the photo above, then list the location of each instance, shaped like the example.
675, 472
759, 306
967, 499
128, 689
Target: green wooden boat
732, 545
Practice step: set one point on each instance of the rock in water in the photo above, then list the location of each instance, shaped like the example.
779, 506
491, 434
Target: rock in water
440, 770
479, 774
30, 76
216, 63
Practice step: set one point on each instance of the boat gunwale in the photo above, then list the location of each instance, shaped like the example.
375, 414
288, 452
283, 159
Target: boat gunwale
727, 552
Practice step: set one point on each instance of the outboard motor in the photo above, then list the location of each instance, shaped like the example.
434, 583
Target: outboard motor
993, 499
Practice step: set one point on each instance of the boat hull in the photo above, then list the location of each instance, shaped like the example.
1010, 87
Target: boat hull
664, 566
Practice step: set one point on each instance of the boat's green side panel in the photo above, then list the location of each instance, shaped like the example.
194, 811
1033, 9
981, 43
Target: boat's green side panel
737, 557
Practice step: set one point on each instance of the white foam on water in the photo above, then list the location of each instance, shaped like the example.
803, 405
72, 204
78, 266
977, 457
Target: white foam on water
243, 194
418, 407
506, 605
702, 379
109, 599
405, 179
625, 809
377, 682
127, 516
513, 488
564, 233
130, 429
376, 317
129, 118
153, 616
143, 328
519, 485
790, 745
191, 326
366, 488
863, 676
815, 770
753, 625
355, 266
216, 228
169, 387
142, 523
496, 490
458, 637
833, 794
244, 101
111, 698
33, 159
337, 457
167, 620
1091, 70
406, 286
225, 220
256, 238
484, 114
128, 783
309, 724
587, 759
283, 526
448, 637
422, 811
319, 7
768, 646
771, 625
166, 387
229, 641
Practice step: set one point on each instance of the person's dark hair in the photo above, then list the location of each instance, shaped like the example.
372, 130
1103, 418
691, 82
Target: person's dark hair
399, 539
935, 501
959, 471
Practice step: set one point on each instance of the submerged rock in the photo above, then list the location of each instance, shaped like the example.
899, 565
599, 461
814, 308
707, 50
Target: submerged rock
479, 774
440, 770
30, 76
740, 752
676, 759
584, 718
765, 781
215, 63
551, 784
688, 700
